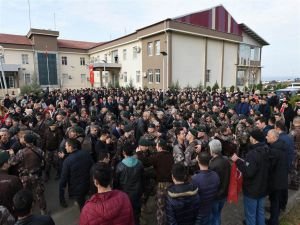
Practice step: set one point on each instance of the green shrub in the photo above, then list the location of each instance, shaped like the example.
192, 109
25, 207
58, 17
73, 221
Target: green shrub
294, 99
208, 88
174, 86
216, 86
34, 88
231, 89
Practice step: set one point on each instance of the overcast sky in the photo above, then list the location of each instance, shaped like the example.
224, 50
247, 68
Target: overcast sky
277, 21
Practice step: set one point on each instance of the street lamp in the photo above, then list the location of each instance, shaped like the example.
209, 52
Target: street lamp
2, 70
164, 54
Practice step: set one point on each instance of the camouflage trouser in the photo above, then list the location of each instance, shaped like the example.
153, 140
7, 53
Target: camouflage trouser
34, 183
52, 160
161, 194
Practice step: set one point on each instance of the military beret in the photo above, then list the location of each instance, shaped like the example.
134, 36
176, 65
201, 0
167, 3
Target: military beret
194, 132
242, 117
128, 128
78, 130
144, 142
201, 129
51, 123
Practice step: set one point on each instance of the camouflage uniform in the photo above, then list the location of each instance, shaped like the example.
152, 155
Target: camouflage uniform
5, 217
30, 160
178, 153
161, 194
242, 138
120, 146
295, 175
151, 138
171, 137
190, 157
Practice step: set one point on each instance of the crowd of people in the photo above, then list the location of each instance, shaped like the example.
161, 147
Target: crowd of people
112, 149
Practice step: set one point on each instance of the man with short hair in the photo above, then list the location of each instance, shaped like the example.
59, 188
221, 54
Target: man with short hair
107, 206
183, 202
179, 148
129, 178
255, 168
23, 208
262, 124
75, 173
221, 166
9, 184
207, 182
278, 176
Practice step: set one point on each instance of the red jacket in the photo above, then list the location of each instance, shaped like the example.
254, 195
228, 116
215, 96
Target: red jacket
109, 208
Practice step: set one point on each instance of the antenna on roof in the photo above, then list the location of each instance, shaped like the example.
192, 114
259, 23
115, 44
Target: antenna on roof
54, 21
29, 15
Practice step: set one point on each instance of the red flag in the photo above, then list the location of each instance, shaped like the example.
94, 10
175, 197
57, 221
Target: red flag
91, 68
235, 184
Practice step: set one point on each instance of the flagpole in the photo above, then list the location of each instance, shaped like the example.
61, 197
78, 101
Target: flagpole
48, 72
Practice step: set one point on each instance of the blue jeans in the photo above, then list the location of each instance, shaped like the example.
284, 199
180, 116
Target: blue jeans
215, 216
203, 220
254, 211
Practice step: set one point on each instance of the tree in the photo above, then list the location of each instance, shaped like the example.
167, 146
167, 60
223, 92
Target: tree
34, 88
199, 87
259, 86
215, 87
208, 88
232, 89
174, 86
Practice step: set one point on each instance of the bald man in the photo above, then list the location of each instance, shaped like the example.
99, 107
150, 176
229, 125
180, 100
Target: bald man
279, 174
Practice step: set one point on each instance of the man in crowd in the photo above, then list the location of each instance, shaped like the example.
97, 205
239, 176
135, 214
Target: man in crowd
208, 183
255, 169
107, 206
221, 166
23, 208
183, 201
75, 173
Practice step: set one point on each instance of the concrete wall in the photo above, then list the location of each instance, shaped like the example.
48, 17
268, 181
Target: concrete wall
214, 61
70, 74
188, 59
230, 61
13, 56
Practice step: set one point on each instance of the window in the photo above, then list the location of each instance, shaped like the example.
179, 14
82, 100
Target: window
150, 75
11, 81
240, 78
83, 78
27, 78
64, 60
97, 59
65, 76
25, 59
138, 76
157, 76
82, 61
124, 54
157, 47
207, 76
114, 56
125, 77
134, 52
150, 49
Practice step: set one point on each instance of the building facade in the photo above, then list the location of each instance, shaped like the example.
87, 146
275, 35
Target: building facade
200, 48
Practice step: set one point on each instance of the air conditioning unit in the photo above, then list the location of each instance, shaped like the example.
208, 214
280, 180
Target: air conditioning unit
138, 49
145, 74
70, 77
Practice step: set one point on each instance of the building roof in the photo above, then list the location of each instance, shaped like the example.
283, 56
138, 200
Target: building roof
61, 43
14, 39
252, 34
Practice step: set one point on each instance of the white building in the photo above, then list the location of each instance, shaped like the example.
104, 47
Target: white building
199, 48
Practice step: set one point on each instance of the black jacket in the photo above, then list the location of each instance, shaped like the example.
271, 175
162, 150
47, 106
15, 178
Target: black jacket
129, 177
182, 204
221, 166
36, 220
279, 166
75, 174
255, 170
